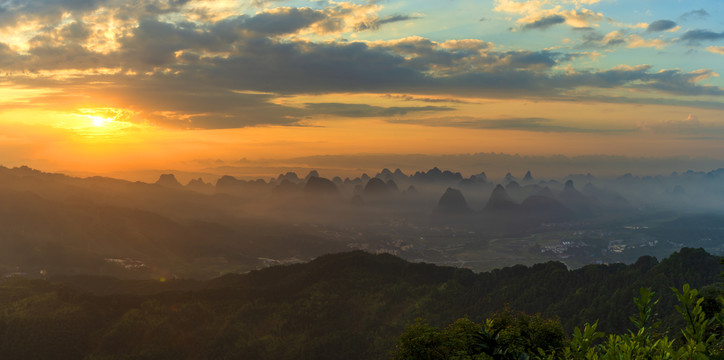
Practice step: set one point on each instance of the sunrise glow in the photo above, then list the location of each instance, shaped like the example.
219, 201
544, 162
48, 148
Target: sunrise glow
269, 80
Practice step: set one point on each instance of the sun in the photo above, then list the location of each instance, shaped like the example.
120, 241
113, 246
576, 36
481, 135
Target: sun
99, 121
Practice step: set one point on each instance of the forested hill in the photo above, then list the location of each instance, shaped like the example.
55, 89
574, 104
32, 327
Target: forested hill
349, 305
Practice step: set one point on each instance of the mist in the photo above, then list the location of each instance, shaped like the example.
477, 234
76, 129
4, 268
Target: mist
55, 224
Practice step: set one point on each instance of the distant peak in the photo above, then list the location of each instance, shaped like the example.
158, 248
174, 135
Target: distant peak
168, 180
312, 173
569, 184
528, 176
452, 201
321, 185
499, 199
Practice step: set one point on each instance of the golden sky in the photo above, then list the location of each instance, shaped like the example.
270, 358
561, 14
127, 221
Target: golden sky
108, 85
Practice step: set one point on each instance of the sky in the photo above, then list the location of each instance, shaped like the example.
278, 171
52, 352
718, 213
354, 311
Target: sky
101, 86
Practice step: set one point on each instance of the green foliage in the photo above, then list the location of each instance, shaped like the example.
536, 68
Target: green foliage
460, 340
698, 341
505, 336
355, 305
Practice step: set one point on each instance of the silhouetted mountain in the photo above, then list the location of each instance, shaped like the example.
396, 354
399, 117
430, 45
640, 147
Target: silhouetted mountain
289, 176
228, 183
515, 191
434, 175
376, 187
452, 202
287, 187
320, 185
311, 174
392, 186
508, 178
480, 177
169, 180
385, 174
337, 181
528, 178
200, 186
474, 181
499, 200
574, 200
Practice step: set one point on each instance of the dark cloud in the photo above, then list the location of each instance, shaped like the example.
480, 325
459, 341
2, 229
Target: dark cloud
175, 101
701, 13
283, 21
375, 23
211, 75
213, 92
426, 99
696, 36
545, 22
8, 57
262, 3
365, 110
52, 11
594, 39
530, 59
523, 124
676, 82
661, 25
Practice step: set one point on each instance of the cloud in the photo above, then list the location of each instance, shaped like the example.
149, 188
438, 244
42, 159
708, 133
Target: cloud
263, 3
283, 20
661, 25
541, 14
675, 82
406, 97
598, 40
594, 39
535, 124
701, 13
696, 36
228, 71
375, 23
716, 49
545, 22
365, 110
687, 126
636, 41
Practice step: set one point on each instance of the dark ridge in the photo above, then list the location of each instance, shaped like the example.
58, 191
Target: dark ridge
452, 202
320, 185
574, 200
392, 186
286, 186
375, 186
528, 177
168, 180
499, 200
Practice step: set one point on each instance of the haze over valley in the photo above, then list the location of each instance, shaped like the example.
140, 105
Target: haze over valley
55, 224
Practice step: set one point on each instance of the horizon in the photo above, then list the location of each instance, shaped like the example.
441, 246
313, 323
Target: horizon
599, 166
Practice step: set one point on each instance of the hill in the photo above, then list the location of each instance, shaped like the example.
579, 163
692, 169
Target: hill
348, 305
